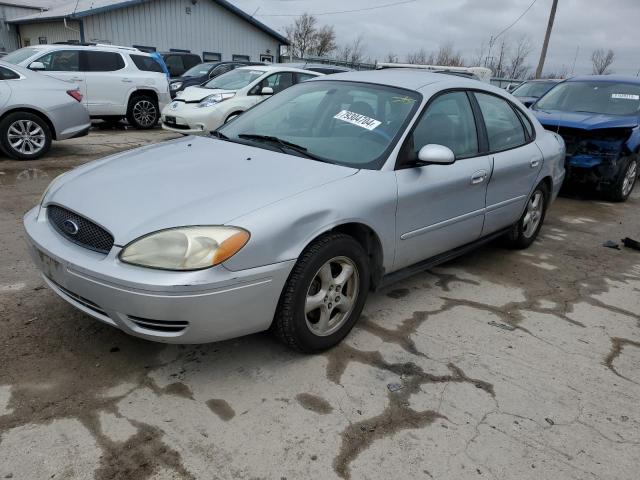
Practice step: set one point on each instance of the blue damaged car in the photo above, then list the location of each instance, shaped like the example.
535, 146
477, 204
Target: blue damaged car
598, 117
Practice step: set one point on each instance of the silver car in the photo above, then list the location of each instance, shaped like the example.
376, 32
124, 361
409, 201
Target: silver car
296, 209
34, 110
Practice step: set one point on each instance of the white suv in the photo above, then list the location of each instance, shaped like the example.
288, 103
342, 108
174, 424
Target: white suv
115, 82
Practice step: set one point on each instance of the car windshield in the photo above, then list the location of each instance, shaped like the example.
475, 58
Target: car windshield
533, 89
20, 55
198, 70
235, 79
608, 97
347, 123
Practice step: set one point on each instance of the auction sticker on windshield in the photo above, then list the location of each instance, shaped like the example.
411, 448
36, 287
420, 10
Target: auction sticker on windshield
359, 120
625, 96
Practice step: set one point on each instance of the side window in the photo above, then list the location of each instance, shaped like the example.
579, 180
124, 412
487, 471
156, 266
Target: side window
448, 121
6, 74
61, 61
526, 122
301, 77
174, 64
503, 126
103, 61
146, 64
278, 81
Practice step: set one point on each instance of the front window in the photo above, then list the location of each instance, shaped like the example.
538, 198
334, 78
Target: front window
604, 97
234, 80
199, 70
20, 55
533, 89
61, 61
346, 123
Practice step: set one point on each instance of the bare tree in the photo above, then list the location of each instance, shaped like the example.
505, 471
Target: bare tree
518, 55
601, 61
352, 52
391, 58
419, 57
324, 41
447, 56
301, 34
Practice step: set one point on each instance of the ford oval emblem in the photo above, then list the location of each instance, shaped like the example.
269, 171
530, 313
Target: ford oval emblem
70, 227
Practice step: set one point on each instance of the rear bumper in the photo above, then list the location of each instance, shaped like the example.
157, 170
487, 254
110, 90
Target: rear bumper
171, 307
70, 120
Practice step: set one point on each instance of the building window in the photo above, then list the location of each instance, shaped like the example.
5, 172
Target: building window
266, 58
42, 40
240, 58
145, 48
26, 42
179, 50
211, 56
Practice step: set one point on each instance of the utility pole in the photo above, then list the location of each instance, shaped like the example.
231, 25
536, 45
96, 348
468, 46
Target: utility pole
545, 45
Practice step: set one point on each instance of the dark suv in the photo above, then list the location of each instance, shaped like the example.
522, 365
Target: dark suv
202, 73
180, 62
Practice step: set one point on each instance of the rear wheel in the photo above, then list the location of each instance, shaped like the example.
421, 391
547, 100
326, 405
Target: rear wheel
627, 178
143, 112
324, 295
24, 136
524, 233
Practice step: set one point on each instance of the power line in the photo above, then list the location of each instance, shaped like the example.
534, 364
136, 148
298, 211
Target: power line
376, 7
516, 20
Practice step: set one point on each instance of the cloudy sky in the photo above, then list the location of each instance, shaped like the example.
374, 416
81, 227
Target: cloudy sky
583, 24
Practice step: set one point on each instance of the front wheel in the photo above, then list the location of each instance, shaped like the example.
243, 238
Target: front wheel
24, 136
324, 295
524, 233
143, 112
627, 178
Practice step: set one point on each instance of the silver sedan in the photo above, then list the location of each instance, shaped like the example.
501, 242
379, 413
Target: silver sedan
36, 109
294, 211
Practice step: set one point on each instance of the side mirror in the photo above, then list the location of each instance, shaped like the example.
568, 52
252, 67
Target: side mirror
266, 91
438, 154
36, 66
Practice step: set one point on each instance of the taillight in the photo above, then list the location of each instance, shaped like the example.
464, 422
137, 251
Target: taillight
75, 94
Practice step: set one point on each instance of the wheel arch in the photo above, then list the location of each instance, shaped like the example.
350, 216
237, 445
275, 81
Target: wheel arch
33, 111
142, 92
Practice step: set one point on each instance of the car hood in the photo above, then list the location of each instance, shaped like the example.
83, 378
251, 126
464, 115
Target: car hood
584, 120
189, 181
193, 94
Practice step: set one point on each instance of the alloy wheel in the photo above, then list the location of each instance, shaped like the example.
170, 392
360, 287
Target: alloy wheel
331, 296
630, 178
533, 215
145, 113
26, 137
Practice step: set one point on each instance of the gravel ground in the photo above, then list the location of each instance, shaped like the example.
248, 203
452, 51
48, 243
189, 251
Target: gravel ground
501, 364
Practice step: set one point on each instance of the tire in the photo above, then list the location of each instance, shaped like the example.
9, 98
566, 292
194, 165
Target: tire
143, 112
524, 233
31, 129
337, 312
233, 116
626, 180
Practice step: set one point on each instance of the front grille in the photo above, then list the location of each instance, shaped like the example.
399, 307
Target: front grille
162, 326
87, 233
600, 141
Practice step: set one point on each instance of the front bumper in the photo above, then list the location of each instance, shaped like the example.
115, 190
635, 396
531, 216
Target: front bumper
173, 307
191, 120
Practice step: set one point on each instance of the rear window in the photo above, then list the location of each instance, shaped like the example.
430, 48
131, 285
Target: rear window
103, 61
146, 64
6, 74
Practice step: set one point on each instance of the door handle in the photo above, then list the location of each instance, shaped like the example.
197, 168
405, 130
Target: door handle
76, 79
127, 80
535, 162
478, 177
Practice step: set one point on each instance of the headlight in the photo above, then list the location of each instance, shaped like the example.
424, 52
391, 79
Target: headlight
175, 85
211, 100
185, 248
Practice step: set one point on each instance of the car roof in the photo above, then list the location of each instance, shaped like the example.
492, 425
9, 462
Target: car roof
102, 48
606, 78
404, 78
276, 68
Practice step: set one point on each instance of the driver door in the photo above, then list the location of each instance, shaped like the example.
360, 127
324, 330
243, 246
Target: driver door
441, 207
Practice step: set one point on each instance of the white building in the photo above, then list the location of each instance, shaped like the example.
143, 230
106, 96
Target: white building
214, 29
18, 8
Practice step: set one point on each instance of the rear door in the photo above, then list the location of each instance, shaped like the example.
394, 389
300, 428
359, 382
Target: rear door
441, 207
516, 160
65, 65
107, 84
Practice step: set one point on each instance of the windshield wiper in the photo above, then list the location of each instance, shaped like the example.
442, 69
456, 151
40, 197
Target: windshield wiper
283, 144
